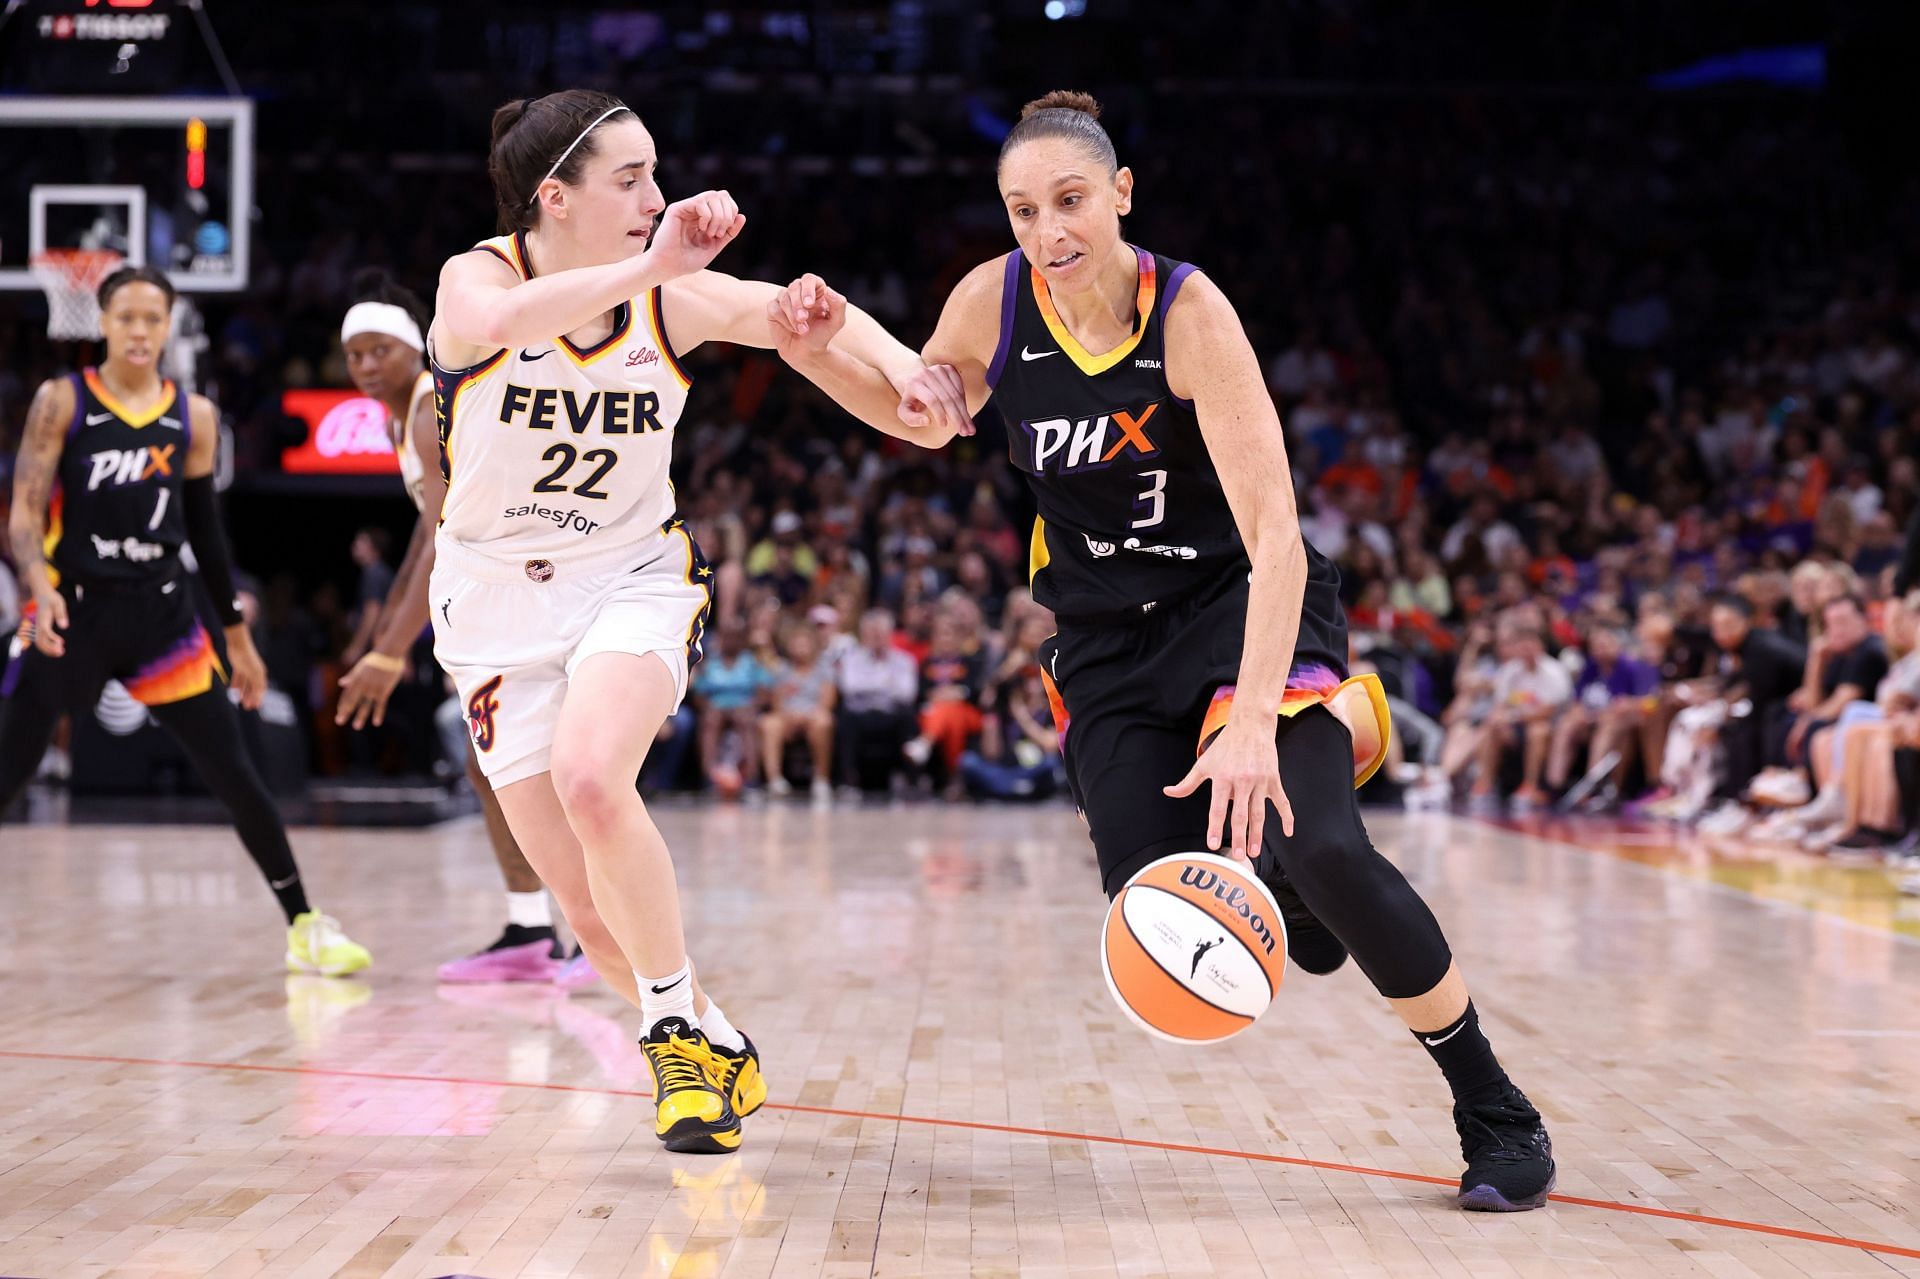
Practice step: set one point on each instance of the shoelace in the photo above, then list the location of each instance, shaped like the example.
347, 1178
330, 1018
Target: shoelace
682, 1063
1505, 1151
716, 1063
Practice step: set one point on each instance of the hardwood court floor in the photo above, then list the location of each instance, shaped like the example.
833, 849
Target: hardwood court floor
1733, 1083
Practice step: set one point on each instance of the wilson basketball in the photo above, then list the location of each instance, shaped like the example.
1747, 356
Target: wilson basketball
1194, 948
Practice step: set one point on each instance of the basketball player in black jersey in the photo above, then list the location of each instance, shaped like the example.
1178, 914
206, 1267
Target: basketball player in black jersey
1192, 613
114, 475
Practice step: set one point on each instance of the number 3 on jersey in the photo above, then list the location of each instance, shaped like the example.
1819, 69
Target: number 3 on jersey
1154, 499
601, 460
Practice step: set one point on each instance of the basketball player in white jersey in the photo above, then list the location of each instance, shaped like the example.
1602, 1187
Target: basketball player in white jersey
568, 601
383, 339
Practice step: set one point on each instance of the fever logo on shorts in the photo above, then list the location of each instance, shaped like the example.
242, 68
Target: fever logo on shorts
480, 709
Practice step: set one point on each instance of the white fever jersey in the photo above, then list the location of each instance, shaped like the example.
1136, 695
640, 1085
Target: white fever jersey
554, 453
413, 473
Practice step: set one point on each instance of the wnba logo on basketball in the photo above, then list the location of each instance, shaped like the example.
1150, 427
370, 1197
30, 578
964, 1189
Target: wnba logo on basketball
1194, 948
1233, 898
480, 709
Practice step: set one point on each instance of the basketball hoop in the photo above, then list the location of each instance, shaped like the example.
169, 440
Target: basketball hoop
69, 277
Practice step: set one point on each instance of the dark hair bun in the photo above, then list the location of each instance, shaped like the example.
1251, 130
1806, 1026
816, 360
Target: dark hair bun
507, 115
1058, 100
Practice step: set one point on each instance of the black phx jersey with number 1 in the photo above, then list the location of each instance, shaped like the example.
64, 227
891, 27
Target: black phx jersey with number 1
117, 515
115, 526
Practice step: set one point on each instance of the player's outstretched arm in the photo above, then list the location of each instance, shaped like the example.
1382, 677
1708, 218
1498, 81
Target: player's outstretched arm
714, 307
863, 368
248, 677
366, 689
1210, 362
35, 469
857, 363
484, 306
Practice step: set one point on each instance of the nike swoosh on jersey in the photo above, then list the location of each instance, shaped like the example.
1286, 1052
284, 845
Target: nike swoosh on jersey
1027, 353
95, 419
529, 358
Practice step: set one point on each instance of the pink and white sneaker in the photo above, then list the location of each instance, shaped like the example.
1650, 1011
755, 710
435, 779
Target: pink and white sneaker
521, 954
576, 973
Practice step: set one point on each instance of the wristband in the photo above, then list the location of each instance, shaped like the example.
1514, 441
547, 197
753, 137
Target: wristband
381, 662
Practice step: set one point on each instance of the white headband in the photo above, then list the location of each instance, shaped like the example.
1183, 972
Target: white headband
381, 317
569, 151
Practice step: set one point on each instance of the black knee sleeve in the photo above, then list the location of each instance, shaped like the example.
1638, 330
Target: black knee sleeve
1358, 894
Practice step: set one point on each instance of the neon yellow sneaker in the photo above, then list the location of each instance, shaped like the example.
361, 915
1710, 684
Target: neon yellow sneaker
691, 1114
315, 944
737, 1074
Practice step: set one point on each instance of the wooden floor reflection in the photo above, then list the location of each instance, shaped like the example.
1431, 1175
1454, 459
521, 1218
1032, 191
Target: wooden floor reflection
1729, 1060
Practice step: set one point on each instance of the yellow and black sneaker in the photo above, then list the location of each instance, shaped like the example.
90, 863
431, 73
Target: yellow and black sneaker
692, 1114
737, 1074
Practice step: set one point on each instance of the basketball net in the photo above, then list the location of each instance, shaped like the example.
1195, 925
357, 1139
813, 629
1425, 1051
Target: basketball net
69, 277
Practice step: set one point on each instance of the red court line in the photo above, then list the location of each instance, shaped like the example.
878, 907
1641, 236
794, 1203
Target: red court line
1752, 1227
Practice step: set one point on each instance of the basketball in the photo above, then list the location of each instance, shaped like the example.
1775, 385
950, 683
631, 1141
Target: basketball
1194, 948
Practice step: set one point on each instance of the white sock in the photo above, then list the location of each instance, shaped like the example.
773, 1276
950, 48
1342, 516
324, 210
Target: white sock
529, 910
669, 996
719, 1030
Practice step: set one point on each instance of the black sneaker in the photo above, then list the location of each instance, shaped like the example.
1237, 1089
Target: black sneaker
517, 935
1509, 1155
1310, 944
1866, 839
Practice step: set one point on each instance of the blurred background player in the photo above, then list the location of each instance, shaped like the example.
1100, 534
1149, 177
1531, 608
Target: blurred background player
114, 476
383, 340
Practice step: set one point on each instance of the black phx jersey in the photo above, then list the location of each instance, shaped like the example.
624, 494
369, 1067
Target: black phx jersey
1132, 514
117, 515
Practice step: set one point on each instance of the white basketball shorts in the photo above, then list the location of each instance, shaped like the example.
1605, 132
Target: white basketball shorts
511, 633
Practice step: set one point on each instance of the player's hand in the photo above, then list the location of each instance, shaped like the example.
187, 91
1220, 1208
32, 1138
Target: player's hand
692, 232
806, 316
365, 690
1243, 765
49, 619
249, 678
936, 398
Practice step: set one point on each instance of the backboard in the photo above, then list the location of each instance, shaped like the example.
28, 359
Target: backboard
162, 180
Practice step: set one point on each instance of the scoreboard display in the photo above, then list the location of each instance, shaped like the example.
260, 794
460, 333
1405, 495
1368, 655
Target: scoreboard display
99, 46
